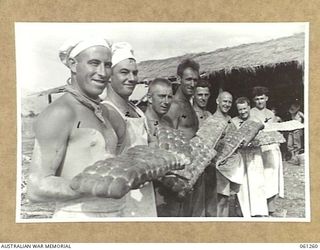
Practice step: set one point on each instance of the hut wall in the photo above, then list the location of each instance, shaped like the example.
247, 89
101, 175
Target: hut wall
284, 81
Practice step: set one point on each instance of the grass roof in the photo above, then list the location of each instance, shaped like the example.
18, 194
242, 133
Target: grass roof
268, 53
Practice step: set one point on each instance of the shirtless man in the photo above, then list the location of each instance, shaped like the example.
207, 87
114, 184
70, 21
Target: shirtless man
271, 154
181, 112
130, 121
183, 117
200, 101
223, 186
74, 132
159, 101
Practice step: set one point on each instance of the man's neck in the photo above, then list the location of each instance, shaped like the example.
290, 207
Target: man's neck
263, 109
181, 96
225, 115
116, 99
152, 115
242, 119
75, 86
197, 107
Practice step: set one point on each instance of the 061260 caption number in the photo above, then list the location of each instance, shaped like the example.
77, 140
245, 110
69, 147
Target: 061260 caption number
308, 245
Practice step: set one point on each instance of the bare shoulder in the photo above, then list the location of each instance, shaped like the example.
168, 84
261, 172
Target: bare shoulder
113, 114
60, 114
167, 122
174, 108
172, 117
116, 120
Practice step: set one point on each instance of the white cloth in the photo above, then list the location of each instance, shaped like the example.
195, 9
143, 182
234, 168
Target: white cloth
272, 159
140, 202
71, 48
283, 126
120, 52
252, 193
273, 170
90, 207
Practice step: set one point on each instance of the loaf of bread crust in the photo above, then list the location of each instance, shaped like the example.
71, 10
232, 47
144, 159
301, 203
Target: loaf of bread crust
227, 146
177, 162
114, 177
268, 137
201, 148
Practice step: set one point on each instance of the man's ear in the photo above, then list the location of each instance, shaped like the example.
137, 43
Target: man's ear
149, 98
178, 78
267, 98
217, 100
72, 65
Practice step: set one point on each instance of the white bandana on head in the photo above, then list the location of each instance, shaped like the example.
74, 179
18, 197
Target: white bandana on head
120, 52
74, 47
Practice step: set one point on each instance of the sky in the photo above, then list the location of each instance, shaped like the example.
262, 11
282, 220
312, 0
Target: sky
37, 44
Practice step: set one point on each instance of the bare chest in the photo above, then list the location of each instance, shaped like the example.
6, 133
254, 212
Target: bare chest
187, 116
86, 118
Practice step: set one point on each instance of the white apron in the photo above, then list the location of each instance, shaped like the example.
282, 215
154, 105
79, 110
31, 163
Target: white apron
273, 170
140, 202
252, 194
272, 159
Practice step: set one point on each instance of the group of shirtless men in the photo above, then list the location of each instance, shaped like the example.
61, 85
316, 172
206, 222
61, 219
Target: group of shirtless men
79, 129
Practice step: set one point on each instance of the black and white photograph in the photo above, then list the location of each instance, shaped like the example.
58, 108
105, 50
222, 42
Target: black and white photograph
162, 122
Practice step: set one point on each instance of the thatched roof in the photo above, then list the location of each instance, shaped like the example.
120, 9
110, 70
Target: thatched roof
55, 90
249, 56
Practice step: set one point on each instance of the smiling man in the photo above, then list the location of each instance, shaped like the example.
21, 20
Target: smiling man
200, 101
222, 188
251, 196
183, 117
74, 132
181, 113
271, 154
130, 122
224, 103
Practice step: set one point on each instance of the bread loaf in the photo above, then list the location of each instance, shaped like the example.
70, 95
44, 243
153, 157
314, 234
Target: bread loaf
114, 177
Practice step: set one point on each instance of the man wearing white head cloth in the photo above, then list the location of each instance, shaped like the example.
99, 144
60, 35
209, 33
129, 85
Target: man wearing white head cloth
130, 121
74, 132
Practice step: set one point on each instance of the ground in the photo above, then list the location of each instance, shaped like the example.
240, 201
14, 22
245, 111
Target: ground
294, 191
292, 205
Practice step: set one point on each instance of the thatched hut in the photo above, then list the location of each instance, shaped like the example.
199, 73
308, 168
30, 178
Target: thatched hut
277, 64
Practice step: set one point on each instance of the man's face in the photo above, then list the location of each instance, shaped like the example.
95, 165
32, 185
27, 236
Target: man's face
124, 77
93, 70
201, 96
224, 103
260, 101
243, 110
189, 80
161, 99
